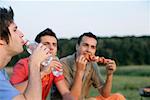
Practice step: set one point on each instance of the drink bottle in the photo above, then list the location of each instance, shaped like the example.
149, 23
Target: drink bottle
30, 46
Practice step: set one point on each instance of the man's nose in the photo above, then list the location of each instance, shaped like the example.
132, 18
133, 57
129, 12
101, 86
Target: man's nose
88, 49
20, 34
50, 47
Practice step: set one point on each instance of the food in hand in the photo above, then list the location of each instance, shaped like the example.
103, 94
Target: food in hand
91, 57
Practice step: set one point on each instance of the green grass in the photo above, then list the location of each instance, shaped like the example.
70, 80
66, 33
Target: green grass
128, 86
130, 70
128, 83
127, 80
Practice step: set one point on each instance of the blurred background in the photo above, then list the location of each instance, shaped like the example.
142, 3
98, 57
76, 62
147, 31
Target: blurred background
122, 28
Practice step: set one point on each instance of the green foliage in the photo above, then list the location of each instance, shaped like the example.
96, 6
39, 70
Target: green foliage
124, 50
66, 47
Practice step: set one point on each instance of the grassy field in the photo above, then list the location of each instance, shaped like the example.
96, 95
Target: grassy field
127, 81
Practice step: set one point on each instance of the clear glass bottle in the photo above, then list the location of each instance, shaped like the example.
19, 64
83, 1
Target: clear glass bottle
30, 46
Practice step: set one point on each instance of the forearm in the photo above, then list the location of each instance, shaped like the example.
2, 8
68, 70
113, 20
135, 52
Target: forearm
64, 90
106, 89
21, 86
67, 96
33, 90
77, 84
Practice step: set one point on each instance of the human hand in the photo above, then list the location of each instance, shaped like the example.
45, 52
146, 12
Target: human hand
110, 66
91, 57
39, 55
54, 63
81, 62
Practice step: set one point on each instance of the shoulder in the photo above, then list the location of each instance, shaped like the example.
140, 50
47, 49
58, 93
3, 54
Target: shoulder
68, 58
3, 74
21, 65
24, 60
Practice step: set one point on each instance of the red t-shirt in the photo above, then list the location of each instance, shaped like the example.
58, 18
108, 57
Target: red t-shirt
20, 74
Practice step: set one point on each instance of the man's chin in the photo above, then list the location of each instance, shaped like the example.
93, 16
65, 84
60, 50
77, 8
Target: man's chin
21, 51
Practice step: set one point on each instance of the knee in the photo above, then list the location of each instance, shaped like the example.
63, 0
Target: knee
118, 96
91, 98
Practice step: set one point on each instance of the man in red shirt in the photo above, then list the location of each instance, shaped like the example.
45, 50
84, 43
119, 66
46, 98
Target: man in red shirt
19, 77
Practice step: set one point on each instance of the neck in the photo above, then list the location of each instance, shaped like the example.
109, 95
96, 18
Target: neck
4, 59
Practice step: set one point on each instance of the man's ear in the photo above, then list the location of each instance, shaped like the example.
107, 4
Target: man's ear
77, 46
2, 42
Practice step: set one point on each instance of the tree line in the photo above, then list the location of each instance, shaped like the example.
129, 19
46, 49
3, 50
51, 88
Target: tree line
129, 50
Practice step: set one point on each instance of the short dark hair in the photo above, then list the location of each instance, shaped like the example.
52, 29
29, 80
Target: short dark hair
6, 18
88, 34
48, 32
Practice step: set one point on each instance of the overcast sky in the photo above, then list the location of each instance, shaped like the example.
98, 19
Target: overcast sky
72, 18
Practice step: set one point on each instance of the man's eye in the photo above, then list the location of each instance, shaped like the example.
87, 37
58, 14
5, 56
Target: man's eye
93, 47
55, 44
45, 44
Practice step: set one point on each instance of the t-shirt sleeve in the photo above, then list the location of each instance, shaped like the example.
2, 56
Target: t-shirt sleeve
98, 81
7, 91
20, 72
56, 79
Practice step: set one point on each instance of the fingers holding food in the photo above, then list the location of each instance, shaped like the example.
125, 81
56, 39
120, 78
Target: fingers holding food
91, 57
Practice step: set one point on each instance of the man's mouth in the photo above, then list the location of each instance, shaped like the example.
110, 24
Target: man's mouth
91, 57
24, 42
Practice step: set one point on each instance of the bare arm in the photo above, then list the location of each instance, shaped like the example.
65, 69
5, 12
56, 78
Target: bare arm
77, 84
23, 85
29, 92
64, 90
33, 90
106, 89
62, 87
